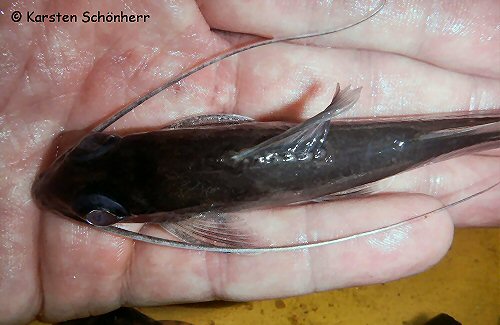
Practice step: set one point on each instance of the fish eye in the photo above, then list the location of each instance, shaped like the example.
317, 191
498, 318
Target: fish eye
94, 146
101, 218
98, 209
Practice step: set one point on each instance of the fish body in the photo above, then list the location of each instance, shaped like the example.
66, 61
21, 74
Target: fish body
191, 176
153, 176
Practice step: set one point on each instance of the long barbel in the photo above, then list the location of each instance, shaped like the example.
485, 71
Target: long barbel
115, 117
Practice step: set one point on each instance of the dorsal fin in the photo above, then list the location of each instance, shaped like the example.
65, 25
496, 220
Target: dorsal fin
304, 139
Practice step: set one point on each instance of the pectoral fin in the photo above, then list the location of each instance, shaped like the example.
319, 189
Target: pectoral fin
355, 192
211, 228
303, 140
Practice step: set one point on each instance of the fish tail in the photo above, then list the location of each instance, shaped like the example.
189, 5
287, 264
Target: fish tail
484, 132
492, 130
465, 136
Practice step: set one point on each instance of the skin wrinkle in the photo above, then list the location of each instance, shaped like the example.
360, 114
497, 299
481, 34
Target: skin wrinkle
208, 277
35, 232
85, 84
185, 88
473, 103
464, 78
214, 91
124, 287
235, 97
310, 256
104, 57
44, 47
41, 274
374, 90
232, 66
220, 86
418, 49
141, 67
126, 290
217, 276
20, 164
49, 96
17, 87
125, 296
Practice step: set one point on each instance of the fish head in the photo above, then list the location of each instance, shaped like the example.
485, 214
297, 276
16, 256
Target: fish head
76, 183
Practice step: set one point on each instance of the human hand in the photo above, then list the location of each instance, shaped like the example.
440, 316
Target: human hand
421, 57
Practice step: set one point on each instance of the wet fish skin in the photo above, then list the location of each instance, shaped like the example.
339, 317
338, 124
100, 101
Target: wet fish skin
142, 176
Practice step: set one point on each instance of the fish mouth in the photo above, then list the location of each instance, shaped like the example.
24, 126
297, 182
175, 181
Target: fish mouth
41, 192
47, 203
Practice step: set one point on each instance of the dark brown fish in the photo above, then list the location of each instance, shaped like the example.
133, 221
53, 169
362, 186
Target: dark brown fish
230, 163
192, 175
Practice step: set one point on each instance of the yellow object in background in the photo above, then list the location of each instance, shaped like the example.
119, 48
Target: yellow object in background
465, 285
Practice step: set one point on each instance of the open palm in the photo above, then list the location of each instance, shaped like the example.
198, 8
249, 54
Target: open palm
414, 57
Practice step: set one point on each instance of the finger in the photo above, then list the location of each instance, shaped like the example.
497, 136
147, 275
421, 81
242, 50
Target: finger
283, 74
82, 270
456, 36
453, 180
86, 272
19, 279
20, 149
185, 276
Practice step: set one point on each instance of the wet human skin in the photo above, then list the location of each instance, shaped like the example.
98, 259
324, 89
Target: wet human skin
56, 77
